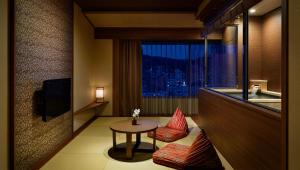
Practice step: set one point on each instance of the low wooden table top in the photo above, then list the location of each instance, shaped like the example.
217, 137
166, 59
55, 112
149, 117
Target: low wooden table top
125, 126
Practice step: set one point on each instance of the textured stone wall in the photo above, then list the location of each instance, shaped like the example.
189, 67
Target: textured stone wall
44, 50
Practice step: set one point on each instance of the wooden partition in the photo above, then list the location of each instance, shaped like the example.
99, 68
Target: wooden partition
248, 136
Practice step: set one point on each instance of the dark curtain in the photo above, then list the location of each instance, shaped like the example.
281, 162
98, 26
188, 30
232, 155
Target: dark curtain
126, 76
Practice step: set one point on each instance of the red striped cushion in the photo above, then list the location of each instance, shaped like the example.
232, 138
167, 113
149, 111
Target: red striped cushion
167, 134
202, 154
178, 121
172, 155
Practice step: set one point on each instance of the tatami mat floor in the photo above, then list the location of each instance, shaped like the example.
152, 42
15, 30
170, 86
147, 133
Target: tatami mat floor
88, 151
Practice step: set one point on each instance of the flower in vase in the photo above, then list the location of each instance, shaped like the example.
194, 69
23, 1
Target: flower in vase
136, 113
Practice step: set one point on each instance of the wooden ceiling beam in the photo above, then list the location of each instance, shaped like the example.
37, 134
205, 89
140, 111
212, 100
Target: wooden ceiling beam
139, 5
148, 33
228, 14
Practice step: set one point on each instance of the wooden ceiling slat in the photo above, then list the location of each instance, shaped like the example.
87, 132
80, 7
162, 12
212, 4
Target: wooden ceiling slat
229, 14
213, 9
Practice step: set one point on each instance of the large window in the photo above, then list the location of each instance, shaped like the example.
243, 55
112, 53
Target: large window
225, 59
244, 60
222, 63
172, 69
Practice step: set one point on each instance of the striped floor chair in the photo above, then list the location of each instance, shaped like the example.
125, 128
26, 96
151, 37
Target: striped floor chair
201, 155
176, 128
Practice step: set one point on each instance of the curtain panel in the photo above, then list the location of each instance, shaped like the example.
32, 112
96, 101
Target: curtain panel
165, 106
127, 63
157, 80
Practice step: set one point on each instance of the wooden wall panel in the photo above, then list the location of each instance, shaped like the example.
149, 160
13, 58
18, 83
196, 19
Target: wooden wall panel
271, 49
255, 48
248, 136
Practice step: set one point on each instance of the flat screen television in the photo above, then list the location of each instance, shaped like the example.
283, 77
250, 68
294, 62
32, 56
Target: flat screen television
56, 96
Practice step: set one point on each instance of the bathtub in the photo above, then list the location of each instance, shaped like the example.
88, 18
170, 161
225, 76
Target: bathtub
266, 98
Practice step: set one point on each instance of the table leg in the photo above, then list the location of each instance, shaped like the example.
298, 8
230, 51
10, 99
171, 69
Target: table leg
129, 145
154, 140
114, 139
138, 139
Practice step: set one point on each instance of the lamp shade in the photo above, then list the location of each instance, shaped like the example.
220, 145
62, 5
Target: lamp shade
99, 94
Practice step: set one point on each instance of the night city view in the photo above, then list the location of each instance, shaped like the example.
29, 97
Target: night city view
178, 69
172, 69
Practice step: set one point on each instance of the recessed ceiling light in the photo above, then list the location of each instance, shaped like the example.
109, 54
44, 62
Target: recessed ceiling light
252, 11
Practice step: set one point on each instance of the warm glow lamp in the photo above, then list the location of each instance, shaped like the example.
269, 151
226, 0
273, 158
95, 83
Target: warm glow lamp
99, 94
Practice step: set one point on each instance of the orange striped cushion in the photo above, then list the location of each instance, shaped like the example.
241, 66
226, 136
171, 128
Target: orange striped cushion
202, 154
178, 121
167, 134
172, 155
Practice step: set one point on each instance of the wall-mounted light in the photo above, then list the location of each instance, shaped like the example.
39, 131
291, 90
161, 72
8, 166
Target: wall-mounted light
99, 94
252, 11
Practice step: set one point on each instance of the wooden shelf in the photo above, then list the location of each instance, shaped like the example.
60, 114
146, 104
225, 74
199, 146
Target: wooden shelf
91, 106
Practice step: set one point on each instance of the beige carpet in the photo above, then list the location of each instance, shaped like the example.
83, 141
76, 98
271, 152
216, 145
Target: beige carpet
88, 151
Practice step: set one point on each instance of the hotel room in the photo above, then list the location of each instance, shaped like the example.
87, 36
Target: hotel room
149, 84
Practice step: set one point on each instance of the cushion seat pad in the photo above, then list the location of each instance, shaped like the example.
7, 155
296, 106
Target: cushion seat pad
166, 134
172, 155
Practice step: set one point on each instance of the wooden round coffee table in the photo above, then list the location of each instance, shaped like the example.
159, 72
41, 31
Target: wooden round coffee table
126, 127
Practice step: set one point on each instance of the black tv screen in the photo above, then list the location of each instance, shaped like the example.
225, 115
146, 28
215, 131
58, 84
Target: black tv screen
57, 97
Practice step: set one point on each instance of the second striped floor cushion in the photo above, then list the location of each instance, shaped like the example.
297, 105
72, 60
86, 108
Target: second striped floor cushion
201, 155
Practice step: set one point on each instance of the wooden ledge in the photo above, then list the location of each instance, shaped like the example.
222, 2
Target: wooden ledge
91, 106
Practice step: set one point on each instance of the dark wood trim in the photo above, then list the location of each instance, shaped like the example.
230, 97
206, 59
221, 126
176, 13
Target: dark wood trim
89, 21
72, 80
150, 11
12, 71
78, 131
115, 70
138, 12
142, 115
245, 55
42, 162
84, 14
105, 116
148, 33
284, 85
